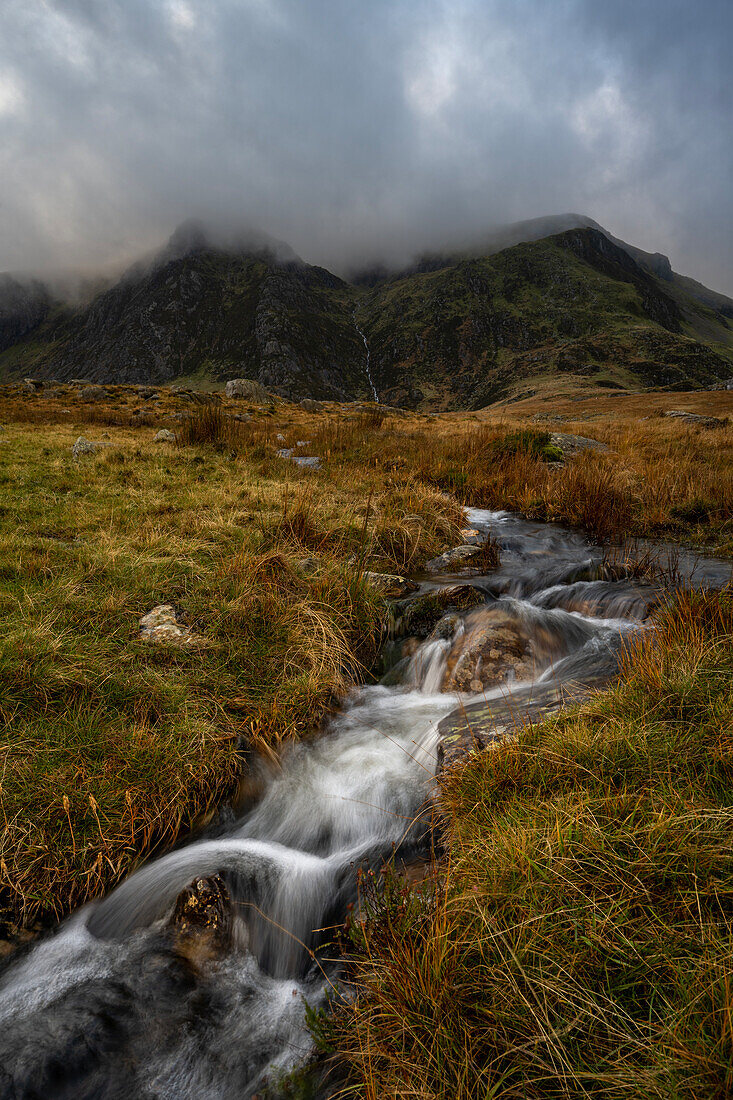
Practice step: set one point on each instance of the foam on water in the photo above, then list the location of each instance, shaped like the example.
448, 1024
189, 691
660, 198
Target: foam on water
106, 1009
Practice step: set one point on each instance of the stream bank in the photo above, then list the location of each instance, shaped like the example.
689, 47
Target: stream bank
108, 1008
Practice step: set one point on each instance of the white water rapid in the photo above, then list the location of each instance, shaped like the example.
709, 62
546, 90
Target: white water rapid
106, 1008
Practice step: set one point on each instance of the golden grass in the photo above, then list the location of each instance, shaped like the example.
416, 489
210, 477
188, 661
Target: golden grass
577, 939
265, 560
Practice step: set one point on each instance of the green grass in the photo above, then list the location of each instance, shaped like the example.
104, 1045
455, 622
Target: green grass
577, 940
111, 745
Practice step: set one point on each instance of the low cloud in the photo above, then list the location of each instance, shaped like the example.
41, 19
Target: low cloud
362, 131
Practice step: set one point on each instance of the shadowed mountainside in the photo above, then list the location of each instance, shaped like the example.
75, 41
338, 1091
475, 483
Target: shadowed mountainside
453, 332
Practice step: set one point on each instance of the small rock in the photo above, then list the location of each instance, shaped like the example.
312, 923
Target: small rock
696, 419
164, 436
83, 447
390, 585
247, 388
458, 556
574, 444
163, 624
310, 405
201, 921
92, 393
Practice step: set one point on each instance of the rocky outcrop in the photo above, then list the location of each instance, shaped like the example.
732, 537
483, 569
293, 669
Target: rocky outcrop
23, 306
247, 388
695, 419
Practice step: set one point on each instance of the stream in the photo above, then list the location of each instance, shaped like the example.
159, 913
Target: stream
107, 1007
367, 366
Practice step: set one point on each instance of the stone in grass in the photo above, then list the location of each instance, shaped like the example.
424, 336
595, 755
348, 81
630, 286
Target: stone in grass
457, 557
163, 625
84, 447
164, 436
390, 585
247, 388
571, 445
696, 419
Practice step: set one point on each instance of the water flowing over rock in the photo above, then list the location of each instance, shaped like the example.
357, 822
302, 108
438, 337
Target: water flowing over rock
201, 921
189, 979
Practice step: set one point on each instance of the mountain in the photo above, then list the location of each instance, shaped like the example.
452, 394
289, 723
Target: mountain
453, 331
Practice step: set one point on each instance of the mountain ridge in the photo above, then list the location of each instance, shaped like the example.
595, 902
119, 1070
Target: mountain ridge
459, 331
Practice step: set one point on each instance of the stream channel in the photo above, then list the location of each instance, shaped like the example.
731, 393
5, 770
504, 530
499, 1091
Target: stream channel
108, 1007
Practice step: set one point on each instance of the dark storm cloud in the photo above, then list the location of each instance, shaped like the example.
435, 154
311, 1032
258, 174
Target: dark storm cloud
356, 129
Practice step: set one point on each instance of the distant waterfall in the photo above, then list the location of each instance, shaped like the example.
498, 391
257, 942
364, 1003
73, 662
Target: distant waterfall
368, 371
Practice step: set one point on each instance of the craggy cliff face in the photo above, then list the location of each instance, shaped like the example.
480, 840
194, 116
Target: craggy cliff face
453, 333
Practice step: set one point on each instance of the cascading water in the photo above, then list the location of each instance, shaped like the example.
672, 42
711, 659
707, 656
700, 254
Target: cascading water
367, 367
107, 1008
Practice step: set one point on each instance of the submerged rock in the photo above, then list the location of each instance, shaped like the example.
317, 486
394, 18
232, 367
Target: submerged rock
494, 648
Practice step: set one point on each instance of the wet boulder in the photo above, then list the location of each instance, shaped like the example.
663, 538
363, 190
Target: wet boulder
201, 921
494, 648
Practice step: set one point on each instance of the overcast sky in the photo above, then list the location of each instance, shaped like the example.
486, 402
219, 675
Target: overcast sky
352, 128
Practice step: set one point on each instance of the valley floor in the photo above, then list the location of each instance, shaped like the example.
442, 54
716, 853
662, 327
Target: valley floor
113, 746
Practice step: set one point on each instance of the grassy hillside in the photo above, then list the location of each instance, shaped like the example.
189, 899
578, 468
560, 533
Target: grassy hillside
575, 303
